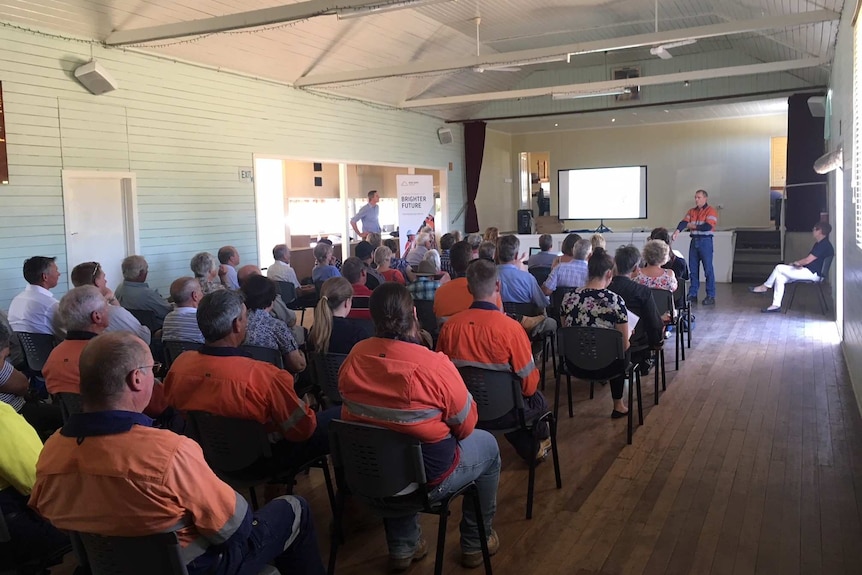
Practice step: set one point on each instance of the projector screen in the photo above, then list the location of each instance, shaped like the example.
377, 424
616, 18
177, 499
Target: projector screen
603, 193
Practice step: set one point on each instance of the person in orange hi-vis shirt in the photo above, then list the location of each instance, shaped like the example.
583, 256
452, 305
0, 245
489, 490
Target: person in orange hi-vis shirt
700, 221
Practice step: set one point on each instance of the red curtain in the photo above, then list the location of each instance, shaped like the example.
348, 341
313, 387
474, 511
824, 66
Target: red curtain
474, 150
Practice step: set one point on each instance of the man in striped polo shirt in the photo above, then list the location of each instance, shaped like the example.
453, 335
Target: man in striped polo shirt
701, 222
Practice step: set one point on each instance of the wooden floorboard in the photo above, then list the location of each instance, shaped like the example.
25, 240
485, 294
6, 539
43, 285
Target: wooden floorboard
751, 463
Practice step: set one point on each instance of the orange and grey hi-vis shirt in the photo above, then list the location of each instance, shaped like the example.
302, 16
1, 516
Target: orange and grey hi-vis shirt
111, 473
705, 218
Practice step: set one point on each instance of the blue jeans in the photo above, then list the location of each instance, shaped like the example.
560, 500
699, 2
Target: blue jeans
281, 533
700, 250
480, 462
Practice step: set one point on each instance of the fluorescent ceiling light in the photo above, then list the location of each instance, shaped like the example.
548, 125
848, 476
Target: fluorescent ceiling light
344, 13
548, 60
577, 95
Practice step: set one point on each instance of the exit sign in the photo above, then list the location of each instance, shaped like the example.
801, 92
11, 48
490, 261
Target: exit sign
246, 175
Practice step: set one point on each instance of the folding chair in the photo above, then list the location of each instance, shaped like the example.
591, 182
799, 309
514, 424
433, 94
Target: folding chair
547, 339
541, 273
37, 347
498, 393
385, 469
326, 372
265, 354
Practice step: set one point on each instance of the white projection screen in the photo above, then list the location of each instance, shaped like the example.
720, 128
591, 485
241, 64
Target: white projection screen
603, 193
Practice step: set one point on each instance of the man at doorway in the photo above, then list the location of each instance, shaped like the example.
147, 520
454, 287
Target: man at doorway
701, 222
369, 215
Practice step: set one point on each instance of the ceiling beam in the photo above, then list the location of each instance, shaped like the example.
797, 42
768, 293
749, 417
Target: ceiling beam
640, 40
608, 85
250, 19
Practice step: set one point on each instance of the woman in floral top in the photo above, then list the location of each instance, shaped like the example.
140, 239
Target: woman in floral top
263, 329
596, 306
653, 275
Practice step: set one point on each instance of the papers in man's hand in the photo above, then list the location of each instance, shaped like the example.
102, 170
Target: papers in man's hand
633, 322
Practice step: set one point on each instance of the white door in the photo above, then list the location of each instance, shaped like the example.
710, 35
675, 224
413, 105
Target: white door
101, 220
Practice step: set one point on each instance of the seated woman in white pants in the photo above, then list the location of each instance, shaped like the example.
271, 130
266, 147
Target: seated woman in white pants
808, 268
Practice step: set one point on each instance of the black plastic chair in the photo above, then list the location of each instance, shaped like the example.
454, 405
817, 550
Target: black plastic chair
175, 348
147, 318
288, 295
266, 354
590, 353
547, 339
664, 304
379, 466
498, 393
427, 319
541, 273
326, 371
683, 306
816, 282
557, 303
37, 347
157, 553
234, 448
70, 404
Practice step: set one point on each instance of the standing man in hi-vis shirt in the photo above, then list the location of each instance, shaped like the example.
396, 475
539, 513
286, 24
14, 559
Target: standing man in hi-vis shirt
701, 222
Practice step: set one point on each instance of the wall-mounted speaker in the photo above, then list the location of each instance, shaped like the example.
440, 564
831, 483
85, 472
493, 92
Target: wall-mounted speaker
817, 106
95, 78
444, 135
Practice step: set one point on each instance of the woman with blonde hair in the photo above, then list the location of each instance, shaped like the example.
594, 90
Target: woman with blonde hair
332, 331
491, 234
598, 241
383, 260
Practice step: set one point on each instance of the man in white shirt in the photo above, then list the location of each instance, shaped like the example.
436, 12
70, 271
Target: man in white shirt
34, 309
281, 271
228, 257
182, 323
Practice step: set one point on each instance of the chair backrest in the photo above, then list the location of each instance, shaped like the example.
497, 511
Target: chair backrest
681, 292
374, 462
267, 354
824, 270
158, 553
425, 314
557, 302
528, 309
326, 369
663, 301
37, 347
229, 444
146, 317
541, 273
590, 348
173, 349
287, 291
496, 393
70, 404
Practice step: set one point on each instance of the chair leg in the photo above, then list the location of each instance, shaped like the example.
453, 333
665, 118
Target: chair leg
554, 354
480, 523
531, 479
329, 490
557, 395
544, 355
791, 287
631, 378
823, 305
656, 374
441, 535
592, 389
663, 373
552, 426
569, 394
640, 399
688, 333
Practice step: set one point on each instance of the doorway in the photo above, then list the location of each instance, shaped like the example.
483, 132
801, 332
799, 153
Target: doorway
100, 210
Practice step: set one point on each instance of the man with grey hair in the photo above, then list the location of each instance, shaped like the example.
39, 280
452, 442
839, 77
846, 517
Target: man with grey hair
419, 249
182, 323
228, 257
135, 294
475, 240
280, 270
572, 273
78, 488
221, 379
14, 390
